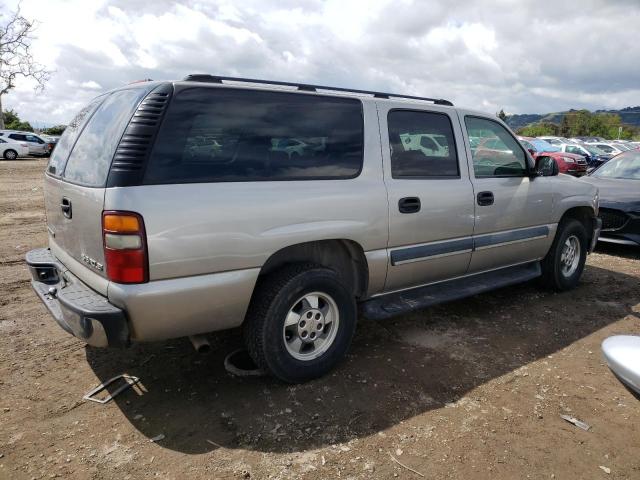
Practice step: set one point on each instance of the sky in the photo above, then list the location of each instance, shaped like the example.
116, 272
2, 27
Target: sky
518, 55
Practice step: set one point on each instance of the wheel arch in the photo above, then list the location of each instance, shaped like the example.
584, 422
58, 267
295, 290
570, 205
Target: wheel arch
4, 154
342, 255
584, 214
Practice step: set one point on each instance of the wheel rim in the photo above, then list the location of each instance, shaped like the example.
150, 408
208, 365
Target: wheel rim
311, 326
570, 256
11, 155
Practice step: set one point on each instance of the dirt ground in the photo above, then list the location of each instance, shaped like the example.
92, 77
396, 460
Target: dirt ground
468, 390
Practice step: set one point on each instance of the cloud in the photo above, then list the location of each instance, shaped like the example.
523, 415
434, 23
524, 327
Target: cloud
521, 55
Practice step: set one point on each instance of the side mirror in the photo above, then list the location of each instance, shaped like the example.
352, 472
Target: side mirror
546, 167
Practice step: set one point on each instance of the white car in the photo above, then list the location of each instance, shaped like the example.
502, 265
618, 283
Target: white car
37, 146
557, 141
12, 150
609, 148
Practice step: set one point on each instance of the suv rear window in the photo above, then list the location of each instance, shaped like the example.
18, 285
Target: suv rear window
61, 153
235, 135
92, 154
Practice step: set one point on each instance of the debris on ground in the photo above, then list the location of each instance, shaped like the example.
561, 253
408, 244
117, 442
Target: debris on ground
576, 422
606, 470
157, 438
240, 364
129, 381
405, 466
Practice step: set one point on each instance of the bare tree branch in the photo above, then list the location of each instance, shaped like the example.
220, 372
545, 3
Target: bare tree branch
16, 59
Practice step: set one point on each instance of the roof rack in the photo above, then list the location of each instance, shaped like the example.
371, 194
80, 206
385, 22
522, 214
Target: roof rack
201, 77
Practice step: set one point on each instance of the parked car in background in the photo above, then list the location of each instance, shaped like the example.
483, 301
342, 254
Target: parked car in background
610, 148
37, 146
569, 163
618, 182
587, 139
146, 244
429, 144
51, 141
555, 140
594, 156
10, 150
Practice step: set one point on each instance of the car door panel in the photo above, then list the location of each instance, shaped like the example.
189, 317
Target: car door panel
516, 226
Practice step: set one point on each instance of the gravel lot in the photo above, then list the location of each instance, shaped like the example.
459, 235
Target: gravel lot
468, 390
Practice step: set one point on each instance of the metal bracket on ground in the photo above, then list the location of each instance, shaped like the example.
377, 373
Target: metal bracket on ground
129, 380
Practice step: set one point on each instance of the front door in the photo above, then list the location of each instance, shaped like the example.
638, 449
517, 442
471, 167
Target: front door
430, 195
513, 210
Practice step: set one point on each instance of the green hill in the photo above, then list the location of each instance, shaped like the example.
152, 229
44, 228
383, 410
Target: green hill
629, 116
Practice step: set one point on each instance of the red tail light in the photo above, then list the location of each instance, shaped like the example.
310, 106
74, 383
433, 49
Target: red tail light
125, 247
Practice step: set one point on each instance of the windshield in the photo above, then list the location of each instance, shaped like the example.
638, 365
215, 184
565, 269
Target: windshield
594, 150
542, 146
626, 165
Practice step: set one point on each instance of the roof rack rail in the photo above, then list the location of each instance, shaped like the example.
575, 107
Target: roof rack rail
202, 77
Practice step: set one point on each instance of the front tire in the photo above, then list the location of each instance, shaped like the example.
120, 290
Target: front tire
300, 322
564, 264
10, 154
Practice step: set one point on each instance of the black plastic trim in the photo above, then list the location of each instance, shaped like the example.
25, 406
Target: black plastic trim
206, 78
465, 244
424, 251
132, 153
397, 303
506, 237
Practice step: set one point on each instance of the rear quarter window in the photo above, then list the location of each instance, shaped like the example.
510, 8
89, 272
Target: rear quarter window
227, 135
91, 156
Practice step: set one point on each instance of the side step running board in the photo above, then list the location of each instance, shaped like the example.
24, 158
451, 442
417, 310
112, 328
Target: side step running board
393, 304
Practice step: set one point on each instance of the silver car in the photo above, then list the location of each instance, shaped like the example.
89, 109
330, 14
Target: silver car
150, 239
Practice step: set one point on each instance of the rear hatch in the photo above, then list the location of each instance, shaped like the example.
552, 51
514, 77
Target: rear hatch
75, 183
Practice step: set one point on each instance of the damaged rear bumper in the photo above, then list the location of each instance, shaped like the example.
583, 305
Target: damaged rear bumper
78, 309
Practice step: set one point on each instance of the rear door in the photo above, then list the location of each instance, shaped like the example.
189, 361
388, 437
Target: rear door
430, 194
75, 183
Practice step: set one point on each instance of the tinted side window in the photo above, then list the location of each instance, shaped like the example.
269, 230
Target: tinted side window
17, 136
225, 134
497, 153
91, 156
422, 145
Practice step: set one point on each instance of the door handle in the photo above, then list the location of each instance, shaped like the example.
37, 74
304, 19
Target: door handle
485, 198
65, 206
409, 205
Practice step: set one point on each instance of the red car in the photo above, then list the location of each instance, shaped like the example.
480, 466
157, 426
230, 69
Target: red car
569, 163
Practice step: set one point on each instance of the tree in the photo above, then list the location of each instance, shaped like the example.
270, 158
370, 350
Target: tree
501, 115
539, 129
57, 130
16, 60
12, 122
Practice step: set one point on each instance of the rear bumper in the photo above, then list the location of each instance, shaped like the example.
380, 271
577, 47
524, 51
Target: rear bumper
79, 310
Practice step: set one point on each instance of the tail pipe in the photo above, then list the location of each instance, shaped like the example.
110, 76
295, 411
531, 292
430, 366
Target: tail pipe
200, 343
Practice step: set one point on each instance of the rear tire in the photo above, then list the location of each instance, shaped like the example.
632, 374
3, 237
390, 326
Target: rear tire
564, 264
300, 322
10, 154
